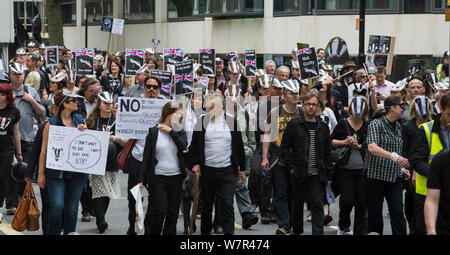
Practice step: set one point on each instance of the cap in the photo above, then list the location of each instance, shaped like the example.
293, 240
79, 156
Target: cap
219, 60
291, 85
348, 65
440, 86
20, 51
42, 46
67, 94
149, 50
276, 83
105, 97
16, 67
304, 81
98, 58
399, 86
446, 55
4, 77
31, 44
59, 77
422, 106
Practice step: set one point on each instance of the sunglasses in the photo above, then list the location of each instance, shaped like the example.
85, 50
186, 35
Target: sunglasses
403, 105
152, 86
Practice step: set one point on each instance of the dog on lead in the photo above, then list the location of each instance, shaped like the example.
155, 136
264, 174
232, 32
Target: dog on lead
187, 199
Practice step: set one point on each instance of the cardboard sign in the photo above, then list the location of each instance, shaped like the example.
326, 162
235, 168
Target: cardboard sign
117, 26
207, 60
136, 115
250, 63
134, 60
184, 77
77, 151
172, 56
106, 24
374, 44
84, 62
51, 56
415, 66
336, 52
166, 82
307, 60
369, 64
380, 44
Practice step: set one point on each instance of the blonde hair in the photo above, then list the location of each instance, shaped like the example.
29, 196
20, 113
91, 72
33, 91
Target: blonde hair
33, 80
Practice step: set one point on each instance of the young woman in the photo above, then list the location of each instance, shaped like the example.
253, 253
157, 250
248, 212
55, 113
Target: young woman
57, 83
164, 170
9, 135
112, 82
352, 132
385, 167
105, 187
64, 188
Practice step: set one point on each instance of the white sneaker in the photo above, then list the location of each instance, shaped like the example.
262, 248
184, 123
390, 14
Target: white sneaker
340, 232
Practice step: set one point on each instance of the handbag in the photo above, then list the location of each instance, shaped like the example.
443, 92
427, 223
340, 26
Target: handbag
27, 213
341, 155
33, 212
125, 153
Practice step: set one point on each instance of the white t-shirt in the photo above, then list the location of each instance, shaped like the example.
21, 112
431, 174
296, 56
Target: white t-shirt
218, 143
138, 150
166, 154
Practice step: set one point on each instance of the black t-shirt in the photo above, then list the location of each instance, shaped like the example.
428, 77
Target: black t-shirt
9, 116
439, 178
106, 125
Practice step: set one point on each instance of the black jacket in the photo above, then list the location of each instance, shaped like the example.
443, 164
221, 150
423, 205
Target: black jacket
409, 131
421, 150
149, 162
197, 147
295, 149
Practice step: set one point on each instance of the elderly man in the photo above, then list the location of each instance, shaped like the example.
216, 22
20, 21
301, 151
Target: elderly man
282, 73
270, 67
138, 90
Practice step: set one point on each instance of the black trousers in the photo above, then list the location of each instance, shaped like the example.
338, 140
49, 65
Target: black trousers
353, 194
220, 181
86, 200
410, 195
165, 198
100, 205
421, 228
133, 165
311, 190
377, 190
6, 157
44, 212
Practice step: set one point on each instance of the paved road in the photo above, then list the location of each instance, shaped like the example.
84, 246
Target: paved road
117, 218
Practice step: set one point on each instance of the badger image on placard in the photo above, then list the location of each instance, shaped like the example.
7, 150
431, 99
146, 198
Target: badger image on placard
415, 66
184, 77
385, 44
206, 59
374, 44
166, 82
380, 60
106, 24
134, 59
172, 56
84, 61
307, 60
250, 63
336, 52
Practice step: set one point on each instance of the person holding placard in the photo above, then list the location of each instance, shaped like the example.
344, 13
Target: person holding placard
64, 188
112, 82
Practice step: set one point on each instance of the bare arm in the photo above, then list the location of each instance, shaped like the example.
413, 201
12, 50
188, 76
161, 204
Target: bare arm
43, 157
17, 142
431, 210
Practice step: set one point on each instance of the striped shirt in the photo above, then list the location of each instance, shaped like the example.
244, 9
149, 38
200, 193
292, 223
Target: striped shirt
312, 159
388, 136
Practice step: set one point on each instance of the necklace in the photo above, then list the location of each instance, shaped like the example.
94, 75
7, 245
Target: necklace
107, 124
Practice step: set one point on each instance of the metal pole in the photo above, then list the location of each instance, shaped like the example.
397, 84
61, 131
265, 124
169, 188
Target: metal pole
362, 21
85, 28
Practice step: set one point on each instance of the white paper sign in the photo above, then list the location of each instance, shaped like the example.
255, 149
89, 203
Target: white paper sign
136, 115
77, 151
138, 194
117, 27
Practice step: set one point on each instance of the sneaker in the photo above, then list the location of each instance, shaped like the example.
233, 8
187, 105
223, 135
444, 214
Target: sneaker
249, 220
86, 217
281, 232
265, 220
340, 232
327, 220
11, 211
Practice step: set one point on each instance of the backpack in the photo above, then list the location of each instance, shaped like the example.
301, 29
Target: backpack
125, 153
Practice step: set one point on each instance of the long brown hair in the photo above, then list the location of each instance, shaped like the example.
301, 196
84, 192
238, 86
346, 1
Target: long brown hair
91, 120
169, 108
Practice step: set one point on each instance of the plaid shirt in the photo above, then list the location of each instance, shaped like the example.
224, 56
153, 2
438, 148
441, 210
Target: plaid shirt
381, 133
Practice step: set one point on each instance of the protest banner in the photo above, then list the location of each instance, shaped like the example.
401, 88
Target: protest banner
51, 56
184, 77
369, 65
381, 47
172, 56
72, 150
134, 60
307, 60
136, 115
250, 63
336, 52
117, 26
166, 82
207, 60
415, 66
84, 61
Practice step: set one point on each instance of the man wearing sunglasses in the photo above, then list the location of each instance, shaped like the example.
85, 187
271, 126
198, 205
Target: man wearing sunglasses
152, 87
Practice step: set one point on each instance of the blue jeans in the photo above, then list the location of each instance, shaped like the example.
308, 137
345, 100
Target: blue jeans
64, 197
281, 195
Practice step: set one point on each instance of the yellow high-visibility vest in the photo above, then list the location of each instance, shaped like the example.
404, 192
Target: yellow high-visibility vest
435, 146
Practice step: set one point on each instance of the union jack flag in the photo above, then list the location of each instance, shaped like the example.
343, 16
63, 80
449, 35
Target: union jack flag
250, 62
84, 52
203, 82
166, 87
172, 52
209, 51
130, 52
184, 77
304, 51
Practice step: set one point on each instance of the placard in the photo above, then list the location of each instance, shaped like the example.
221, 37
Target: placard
374, 44
380, 44
106, 25
250, 63
172, 56
207, 60
155, 42
369, 64
415, 66
134, 60
184, 77
166, 82
117, 26
51, 56
302, 46
307, 60
136, 115
72, 150
336, 52
84, 61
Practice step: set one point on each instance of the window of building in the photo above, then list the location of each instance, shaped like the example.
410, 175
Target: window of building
417, 6
96, 9
136, 10
69, 12
32, 8
352, 6
438, 6
197, 9
286, 6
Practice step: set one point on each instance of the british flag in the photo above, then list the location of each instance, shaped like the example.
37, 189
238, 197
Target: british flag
209, 51
304, 51
130, 52
250, 62
203, 82
85, 52
166, 87
184, 77
172, 52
